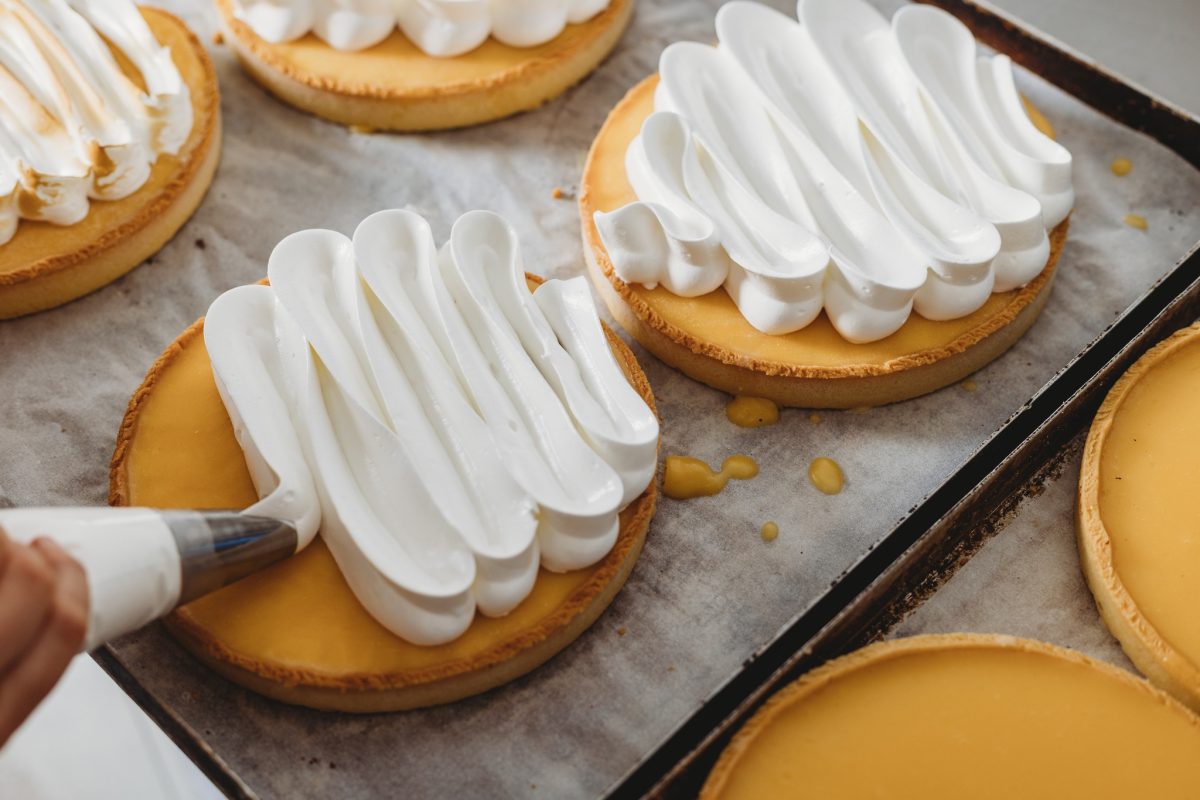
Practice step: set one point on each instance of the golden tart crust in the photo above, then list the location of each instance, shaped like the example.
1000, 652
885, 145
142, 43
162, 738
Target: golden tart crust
46, 265
708, 339
295, 631
395, 86
1137, 524
963, 715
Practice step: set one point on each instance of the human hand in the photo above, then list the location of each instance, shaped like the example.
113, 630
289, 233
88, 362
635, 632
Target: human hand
43, 619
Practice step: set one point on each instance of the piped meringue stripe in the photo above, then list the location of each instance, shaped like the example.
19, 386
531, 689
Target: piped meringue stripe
451, 430
73, 126
441, 28
838, 163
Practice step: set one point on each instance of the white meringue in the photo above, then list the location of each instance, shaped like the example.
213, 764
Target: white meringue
456, 430
442, 28
75, 128
838, 163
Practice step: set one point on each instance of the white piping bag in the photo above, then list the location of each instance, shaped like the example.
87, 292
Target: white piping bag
141, 562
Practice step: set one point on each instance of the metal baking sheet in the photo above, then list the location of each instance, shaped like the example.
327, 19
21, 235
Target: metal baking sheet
690, 636
1030, 574
1025, 459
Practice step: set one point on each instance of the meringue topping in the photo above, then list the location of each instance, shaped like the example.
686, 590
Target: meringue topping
75, 127
441, 28
838, 163
457, 431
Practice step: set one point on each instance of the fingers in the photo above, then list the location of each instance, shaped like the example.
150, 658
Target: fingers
70, 607
56, 642
26, 590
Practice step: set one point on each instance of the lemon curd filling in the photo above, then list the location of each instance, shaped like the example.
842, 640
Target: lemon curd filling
964, 716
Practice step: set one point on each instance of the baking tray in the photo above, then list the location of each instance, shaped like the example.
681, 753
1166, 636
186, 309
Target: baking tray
247, 744
945, 530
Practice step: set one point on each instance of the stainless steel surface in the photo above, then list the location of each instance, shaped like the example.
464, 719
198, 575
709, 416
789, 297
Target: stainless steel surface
217, 548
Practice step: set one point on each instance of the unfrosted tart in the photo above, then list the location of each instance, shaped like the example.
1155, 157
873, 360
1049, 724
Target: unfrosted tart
295, 631
709, 340
1137, 520
46, 265
395, 86
963, 715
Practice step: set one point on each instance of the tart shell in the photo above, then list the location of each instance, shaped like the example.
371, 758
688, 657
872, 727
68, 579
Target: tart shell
294, 631
1146, 646
46, 265
813, 367
981, 754
395, 86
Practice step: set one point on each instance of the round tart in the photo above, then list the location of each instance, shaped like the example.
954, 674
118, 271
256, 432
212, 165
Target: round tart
295, 631
963, 715
395, 86
708, 339
46, 265
1138, 528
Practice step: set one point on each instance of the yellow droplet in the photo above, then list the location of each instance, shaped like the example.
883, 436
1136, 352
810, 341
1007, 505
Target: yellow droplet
751, 412
688, 477
969, 385
826, 475
1121, 166
1136, 221
362, 129
814, 418
770, 531
860, 409
1038, 118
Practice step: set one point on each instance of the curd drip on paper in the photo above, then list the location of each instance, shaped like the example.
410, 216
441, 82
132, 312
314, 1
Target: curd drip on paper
686, 477
746, 411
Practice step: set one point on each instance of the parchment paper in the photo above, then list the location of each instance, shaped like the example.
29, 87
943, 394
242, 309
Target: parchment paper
707, 592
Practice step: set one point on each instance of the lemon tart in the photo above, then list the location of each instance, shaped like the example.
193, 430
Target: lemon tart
963, 715
311, 630
126, 150
734, 211
440, 71
1138, 529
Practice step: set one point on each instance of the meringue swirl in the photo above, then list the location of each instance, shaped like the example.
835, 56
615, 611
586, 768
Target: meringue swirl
452, 430
838, 163
74, 127
440, 28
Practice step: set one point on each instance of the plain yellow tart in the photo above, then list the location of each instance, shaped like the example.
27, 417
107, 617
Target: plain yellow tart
295, 631
1139, 514
46, 265
396, 86
964, 716
708, 339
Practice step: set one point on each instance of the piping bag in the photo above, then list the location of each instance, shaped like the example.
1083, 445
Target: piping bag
142, 562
